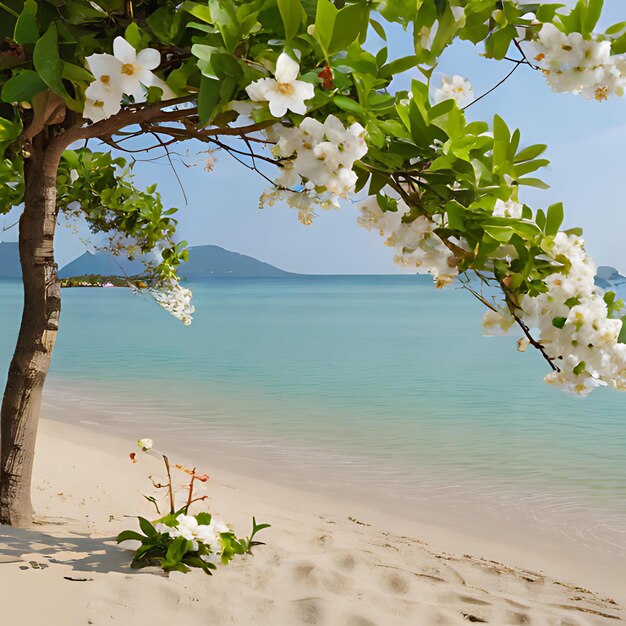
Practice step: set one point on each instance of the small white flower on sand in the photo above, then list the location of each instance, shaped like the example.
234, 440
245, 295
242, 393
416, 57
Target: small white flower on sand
145, 444
284, 92
455, 88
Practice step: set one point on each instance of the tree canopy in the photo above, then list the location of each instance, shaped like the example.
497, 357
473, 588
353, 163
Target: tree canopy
303, 93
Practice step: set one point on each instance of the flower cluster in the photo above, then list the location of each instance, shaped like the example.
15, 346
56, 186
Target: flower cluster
319, 158
573, 322
285, 92
571, 63
175, 299
126, 72
455, 88
202, 531
181, 540
416, 241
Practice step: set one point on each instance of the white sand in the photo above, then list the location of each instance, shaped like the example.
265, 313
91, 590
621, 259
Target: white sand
327, 561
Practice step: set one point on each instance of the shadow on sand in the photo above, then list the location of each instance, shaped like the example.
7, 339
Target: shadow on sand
82, 553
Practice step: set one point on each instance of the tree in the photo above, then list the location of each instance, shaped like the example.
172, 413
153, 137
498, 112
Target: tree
301, 92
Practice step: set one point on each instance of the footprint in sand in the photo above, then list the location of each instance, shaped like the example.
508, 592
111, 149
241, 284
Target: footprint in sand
357, 620
309, 610
396, 584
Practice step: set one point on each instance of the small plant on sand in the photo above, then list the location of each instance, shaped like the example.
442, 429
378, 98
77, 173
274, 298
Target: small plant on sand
181, 540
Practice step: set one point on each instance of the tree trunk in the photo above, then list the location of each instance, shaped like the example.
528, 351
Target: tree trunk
38, 331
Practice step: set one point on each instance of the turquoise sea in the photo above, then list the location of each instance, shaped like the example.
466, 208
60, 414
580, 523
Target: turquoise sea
381, 384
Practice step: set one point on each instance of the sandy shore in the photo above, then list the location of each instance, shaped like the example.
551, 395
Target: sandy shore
327, 561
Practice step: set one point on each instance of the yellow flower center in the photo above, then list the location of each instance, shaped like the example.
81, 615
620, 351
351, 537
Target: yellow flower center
285, 88
105, 78
98, 104
601, 93
128, 69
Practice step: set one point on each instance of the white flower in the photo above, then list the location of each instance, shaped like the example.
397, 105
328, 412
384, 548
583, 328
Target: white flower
176, 300
98, 109
322, 156
284, 92
455, 88
510, 208
135, 67
497, 322
145, 444
126, 71
417, 244
576, 65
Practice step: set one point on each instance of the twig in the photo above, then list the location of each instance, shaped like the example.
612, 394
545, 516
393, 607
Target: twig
169, 486
518, 63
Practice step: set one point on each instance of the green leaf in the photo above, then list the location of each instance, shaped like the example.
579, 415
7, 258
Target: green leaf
348, 104
22, 87
379, 29
559, 322
530, 153
293, 15
325, 17
176, 551
48, 64
397, 66
204, 519
502, 234
591, 16
554, 219
133, 35
580, 368
148, 529
533, 182
129, 535
208, 99
350, 23
76, 73
622, 333
26, 29
616, 28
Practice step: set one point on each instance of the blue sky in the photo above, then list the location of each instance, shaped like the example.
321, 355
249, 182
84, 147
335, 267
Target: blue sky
587, 147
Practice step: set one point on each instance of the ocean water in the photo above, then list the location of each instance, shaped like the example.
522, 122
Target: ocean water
381, 384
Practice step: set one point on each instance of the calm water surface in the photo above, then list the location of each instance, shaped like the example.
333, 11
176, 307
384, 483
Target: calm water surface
383, 383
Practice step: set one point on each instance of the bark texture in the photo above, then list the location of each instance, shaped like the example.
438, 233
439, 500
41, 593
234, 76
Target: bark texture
37, 335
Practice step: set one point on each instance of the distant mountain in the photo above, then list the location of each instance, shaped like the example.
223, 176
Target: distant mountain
101, 264
213, 261
609, 278
10, 260
204, 262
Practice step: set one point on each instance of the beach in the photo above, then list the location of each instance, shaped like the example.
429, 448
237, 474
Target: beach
328, 560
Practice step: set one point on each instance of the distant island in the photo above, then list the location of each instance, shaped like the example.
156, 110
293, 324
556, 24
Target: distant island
205, 262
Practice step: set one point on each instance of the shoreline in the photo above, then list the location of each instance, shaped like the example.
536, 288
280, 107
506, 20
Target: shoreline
327, 561
502, 532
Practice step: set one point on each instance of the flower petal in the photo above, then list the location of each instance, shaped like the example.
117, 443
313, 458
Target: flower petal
260, 90
149, 58
124, 51
286, 69
103, 64
279, 105
168, 94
